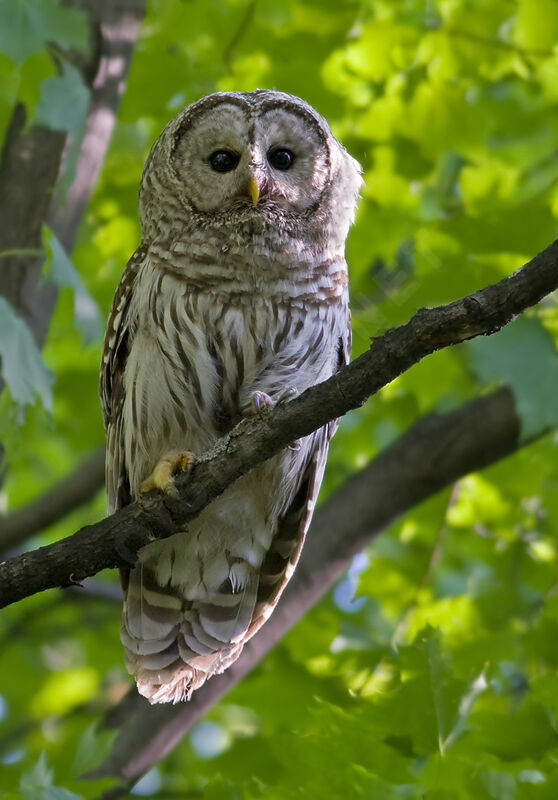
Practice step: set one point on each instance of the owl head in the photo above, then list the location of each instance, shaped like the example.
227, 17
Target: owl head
264, 156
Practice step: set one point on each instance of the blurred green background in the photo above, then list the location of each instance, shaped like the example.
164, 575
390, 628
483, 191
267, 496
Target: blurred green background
431, 670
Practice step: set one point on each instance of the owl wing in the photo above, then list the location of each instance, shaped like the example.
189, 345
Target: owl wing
115, 353
284, 552
282, 557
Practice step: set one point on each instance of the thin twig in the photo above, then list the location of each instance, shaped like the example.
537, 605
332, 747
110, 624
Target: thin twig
490, 41
239, 34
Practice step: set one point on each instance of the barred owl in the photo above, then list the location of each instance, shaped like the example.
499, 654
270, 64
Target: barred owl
236, 299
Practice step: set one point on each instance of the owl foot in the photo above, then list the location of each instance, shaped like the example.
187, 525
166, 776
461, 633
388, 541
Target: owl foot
162, 477
260, 401
286, 394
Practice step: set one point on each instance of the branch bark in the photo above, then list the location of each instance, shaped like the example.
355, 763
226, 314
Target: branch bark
115, 541
32, 159
432, 454
116, 26
30, 164
75, 489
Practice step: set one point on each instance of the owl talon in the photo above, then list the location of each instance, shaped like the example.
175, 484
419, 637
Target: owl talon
162, 477
261, 401
287, 394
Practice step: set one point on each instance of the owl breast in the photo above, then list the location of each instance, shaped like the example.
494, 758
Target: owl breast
197, 356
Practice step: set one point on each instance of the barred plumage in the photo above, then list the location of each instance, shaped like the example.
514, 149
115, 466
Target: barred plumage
234, 290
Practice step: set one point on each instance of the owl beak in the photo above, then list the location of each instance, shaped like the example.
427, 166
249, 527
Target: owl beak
254, 190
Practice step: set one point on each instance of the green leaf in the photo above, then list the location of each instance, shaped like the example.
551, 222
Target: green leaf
434, 688
23, 367
93, 747
523, 356
37, 777
36, 784
50, 793
525, 732
493, 784
457, 128
64, 101
27, 25
537, 24
61, 271
63, 107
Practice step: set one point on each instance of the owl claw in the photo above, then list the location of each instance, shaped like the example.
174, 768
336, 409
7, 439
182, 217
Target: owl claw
289, 393
162, 477
260, 401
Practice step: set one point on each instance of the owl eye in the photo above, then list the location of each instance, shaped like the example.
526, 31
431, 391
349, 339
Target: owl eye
281, 158
223, 160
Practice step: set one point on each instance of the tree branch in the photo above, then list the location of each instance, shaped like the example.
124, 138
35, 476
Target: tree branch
117, 25
31, 161
432, 454
75, 489
115, 541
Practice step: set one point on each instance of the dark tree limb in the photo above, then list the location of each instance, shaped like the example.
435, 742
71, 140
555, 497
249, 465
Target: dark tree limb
432, 454
29, 167
32, 160
116, 26
115, 541
30, 164
81, 485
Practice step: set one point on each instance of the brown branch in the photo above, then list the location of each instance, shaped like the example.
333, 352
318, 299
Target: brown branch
432, 454
117, 25
116, 540
73, 491
32, 159
29, 168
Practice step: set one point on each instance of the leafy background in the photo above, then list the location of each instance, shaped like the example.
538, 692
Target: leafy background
431, 670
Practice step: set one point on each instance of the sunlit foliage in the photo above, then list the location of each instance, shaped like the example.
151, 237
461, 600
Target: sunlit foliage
432, 671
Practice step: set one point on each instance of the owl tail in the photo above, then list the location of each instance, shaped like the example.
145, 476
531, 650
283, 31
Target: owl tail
173, 645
